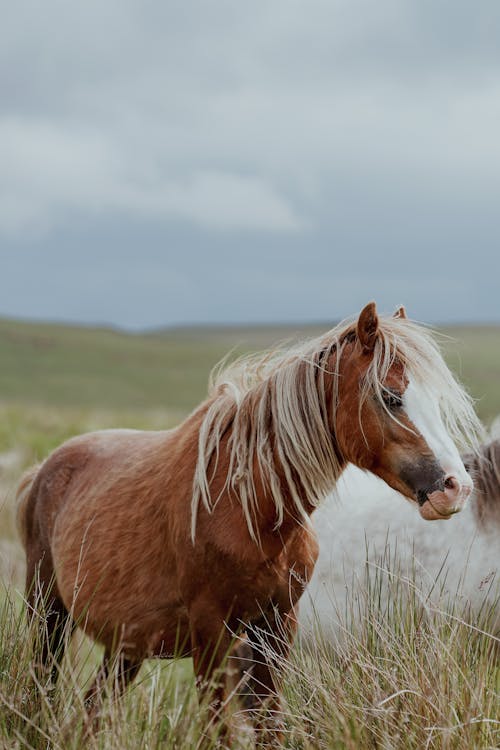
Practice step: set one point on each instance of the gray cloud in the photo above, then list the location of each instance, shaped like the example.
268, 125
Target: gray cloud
268, 160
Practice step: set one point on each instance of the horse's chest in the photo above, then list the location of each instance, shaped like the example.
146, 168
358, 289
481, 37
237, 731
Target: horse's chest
244, 586
254, 589
262, 581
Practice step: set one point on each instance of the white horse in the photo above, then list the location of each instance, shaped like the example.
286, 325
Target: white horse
365, 528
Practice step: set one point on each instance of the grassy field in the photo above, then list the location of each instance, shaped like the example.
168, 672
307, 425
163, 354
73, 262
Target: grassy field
64, 366
407, 676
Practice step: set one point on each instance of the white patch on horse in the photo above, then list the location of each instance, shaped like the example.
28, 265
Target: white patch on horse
422, 408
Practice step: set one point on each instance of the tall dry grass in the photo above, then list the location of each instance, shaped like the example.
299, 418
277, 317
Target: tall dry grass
403, 670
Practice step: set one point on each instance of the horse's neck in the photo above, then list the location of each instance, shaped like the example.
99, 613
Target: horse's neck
266, 511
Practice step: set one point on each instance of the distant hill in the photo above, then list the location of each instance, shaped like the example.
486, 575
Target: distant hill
64, 365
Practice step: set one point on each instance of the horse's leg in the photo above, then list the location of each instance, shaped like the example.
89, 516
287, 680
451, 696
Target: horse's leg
239, 668
271, 638
49, 617
210, 643
124, 673
54, 644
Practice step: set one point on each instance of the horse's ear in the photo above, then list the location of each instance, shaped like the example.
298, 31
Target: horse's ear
367, 326
400, 313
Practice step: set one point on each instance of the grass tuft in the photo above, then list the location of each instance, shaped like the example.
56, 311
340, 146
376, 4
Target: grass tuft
403, 669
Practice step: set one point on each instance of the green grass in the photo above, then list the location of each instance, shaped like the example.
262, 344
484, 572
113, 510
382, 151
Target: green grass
474, 355
67, 366
64, 366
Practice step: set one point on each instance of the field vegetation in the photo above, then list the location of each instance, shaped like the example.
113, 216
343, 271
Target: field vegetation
410, 673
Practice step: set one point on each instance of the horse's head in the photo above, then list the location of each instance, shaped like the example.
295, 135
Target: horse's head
399, 410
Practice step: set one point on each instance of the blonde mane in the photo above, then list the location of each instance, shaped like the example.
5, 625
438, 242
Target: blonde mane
274, 406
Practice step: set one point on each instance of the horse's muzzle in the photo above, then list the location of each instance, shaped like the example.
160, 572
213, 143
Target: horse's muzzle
444, 503
439, 494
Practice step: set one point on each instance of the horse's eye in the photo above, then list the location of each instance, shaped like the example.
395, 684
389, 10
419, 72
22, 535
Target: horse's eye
392, 399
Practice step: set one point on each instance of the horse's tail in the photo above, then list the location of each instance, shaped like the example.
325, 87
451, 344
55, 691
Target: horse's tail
22, 497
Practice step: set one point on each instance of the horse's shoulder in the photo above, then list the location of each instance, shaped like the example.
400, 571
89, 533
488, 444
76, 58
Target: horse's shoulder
304, 545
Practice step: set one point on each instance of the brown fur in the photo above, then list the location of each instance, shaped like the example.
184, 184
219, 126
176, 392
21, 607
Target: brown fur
108, 516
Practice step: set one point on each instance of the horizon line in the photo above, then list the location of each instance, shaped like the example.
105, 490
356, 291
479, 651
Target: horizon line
228, 325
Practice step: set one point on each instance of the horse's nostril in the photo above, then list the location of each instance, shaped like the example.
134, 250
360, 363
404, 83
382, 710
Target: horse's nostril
451, 483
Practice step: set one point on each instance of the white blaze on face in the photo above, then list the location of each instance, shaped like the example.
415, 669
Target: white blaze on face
423, 410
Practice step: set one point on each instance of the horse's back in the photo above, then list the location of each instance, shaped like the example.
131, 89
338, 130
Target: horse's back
82, 461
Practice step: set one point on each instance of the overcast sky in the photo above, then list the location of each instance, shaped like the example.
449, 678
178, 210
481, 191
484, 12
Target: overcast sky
165, 163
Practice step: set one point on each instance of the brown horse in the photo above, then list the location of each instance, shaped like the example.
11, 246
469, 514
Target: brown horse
162, 543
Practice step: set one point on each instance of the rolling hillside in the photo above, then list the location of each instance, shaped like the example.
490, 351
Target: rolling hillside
60, 365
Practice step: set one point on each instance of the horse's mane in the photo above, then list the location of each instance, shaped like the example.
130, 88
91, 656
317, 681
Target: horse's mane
274, 406
485, 470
